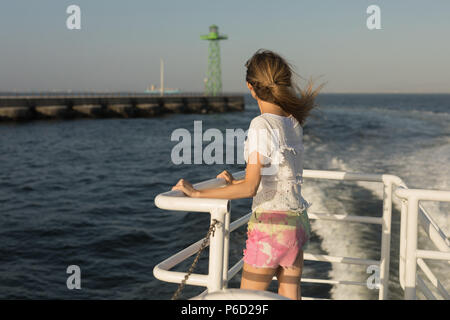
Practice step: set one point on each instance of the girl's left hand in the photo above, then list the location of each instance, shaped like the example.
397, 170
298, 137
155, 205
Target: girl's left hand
186, 187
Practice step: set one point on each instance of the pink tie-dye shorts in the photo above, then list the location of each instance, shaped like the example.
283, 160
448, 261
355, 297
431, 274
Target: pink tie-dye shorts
276, 237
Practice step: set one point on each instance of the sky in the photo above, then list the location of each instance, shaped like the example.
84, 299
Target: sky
120, 43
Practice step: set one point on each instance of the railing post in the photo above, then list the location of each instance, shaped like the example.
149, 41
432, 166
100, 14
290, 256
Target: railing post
385, 239
226, 248
411, 248
401, 262
216, 251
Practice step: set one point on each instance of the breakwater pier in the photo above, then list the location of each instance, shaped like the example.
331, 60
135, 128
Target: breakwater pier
23, 107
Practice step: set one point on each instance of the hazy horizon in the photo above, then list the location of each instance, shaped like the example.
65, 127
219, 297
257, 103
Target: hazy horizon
120, 44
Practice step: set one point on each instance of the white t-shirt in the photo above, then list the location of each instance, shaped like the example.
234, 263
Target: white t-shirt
280, 141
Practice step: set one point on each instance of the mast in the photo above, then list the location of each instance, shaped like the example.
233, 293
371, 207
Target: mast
162, 76
213, 84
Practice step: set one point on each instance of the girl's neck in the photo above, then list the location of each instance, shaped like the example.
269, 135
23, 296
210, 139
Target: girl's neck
268, 107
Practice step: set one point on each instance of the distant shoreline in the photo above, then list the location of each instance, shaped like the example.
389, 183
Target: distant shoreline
193, 93
57, 105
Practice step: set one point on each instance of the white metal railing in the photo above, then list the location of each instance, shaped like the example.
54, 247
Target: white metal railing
413, 213
219, 209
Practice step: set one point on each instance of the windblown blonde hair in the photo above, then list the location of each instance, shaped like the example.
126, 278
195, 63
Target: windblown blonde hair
271, 78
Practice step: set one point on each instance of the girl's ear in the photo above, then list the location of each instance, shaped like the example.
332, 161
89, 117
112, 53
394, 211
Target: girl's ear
249, 86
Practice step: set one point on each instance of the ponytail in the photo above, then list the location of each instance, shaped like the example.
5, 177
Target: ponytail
271, 78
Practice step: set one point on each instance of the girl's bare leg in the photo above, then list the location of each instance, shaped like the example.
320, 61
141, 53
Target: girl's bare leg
289, 279
256, 278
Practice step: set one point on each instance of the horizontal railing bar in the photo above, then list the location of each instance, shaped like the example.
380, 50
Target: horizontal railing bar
180, 256
240, 222
435, 255
341, 175
313, 257
348, 282
315, 216
435, 281
307, 256
177, 200
312, 298
238, 266
423, 194
347, 260
346, 218
195, 279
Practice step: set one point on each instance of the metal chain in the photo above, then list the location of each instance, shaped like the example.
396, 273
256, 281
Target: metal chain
211, 230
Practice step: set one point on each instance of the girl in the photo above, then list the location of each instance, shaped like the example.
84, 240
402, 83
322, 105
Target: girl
278, 230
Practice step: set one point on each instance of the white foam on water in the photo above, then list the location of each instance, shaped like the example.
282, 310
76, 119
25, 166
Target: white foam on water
421, 169
340, 239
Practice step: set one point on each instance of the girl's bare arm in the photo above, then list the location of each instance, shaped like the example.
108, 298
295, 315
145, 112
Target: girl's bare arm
236, 189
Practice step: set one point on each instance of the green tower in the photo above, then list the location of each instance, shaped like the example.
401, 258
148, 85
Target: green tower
213, 84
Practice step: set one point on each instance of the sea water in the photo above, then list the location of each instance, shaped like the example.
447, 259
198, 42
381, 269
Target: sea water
82, 193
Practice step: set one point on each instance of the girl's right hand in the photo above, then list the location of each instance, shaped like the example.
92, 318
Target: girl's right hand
227, 176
